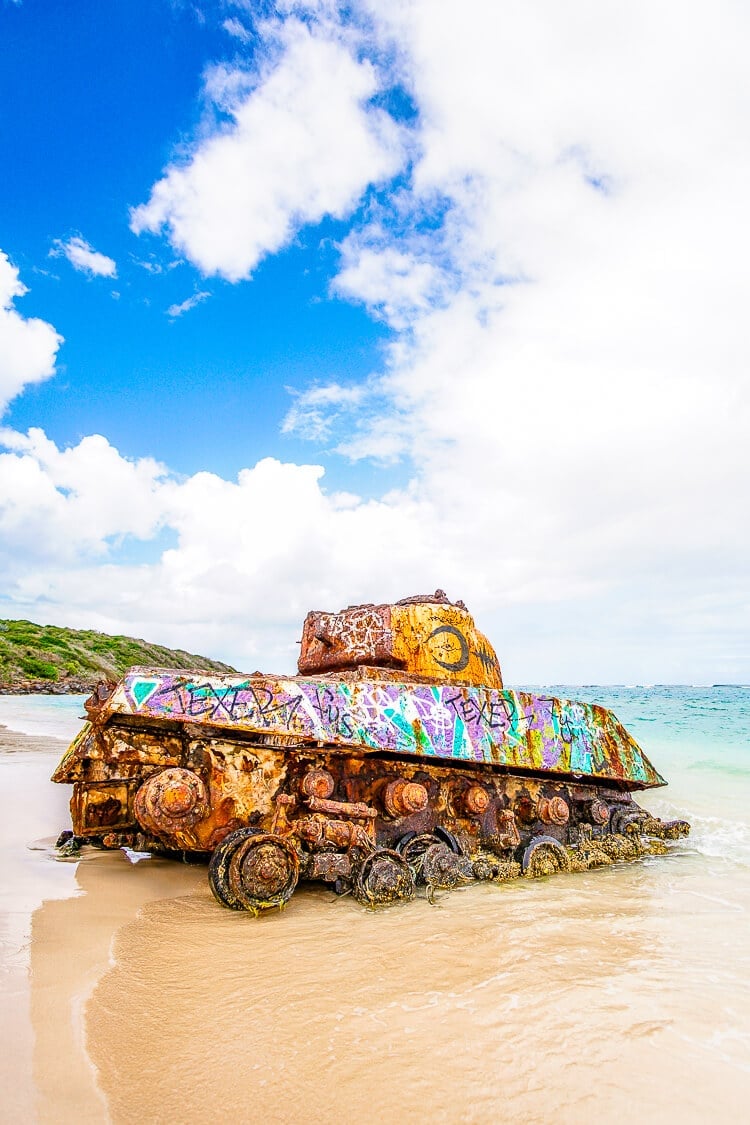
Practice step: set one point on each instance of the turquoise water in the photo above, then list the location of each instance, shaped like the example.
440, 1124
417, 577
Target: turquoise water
710, 726
699, 740
704, 729
57, 716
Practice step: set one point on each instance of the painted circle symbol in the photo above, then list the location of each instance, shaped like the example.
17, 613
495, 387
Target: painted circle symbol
462, 659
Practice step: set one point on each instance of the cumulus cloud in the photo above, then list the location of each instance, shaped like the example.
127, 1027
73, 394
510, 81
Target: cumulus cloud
62, 504
83, 257
248, 557
562, 266
569, 372
394, 281
238, 545
304, 143
28, 346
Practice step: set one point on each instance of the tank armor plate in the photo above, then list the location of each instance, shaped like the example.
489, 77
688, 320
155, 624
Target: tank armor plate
455, 723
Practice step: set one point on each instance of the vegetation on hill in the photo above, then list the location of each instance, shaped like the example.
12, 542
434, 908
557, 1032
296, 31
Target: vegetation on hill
50, 658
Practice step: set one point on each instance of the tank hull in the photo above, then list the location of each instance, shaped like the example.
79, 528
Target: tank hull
187, 784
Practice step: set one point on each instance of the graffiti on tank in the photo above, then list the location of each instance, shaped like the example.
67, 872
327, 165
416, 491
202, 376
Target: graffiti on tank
540, 718
333, 716
487, 660
272, 708
574, 731
475, 724
197, 700
495, 713
460, 661
236, 703
454, 657
364, 632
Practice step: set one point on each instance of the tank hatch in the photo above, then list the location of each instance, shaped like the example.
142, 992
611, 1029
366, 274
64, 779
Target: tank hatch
426, 636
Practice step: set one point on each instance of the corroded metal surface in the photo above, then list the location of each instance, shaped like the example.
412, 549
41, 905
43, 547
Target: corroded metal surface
171, 799
374, 780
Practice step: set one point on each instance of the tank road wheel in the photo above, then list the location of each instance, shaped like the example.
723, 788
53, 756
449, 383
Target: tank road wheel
218, 867
627, 822
414, 848
263, 872
383, 877
446, 837
443, 869
544, 856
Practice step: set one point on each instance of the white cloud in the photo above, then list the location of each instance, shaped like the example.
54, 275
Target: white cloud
570, 371
83, 257
28, 346
60, 504
252, 555
563, 269
314, 413
233, 581
395, 281
303, 144
237, 29
189, 303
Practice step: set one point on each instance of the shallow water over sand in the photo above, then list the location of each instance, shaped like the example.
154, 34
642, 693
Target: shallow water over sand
618, 992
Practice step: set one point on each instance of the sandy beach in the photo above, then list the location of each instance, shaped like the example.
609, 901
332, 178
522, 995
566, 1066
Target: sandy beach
129, 996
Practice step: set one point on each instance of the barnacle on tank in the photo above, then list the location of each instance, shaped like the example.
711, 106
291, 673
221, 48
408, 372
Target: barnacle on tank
395, 759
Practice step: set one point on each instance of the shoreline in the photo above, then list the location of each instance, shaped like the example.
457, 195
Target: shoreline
18, 742
47, 687
44, 717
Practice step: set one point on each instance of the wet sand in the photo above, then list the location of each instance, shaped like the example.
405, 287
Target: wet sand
129, 996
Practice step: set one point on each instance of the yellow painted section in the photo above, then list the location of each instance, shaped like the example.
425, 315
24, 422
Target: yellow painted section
441, 641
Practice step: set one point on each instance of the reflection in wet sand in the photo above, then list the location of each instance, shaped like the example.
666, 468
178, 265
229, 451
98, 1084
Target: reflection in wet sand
567, 997
71, 942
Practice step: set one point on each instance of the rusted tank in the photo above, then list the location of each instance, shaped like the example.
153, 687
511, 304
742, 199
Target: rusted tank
394, 759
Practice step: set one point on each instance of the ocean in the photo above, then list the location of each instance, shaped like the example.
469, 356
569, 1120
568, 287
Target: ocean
618, 992
59, 716
699, 740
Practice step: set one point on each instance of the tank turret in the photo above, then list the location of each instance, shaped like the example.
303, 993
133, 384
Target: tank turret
394, 759
426, 637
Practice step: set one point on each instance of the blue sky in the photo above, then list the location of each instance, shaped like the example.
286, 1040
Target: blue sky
110, 91
360, 300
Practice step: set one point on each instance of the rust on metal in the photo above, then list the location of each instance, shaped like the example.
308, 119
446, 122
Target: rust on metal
395, 760
404, 797
598, 811
553, 810
358, 810
428, 636
476, 800
318, 783
171, 799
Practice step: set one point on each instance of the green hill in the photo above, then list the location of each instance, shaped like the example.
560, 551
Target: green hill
47, 658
